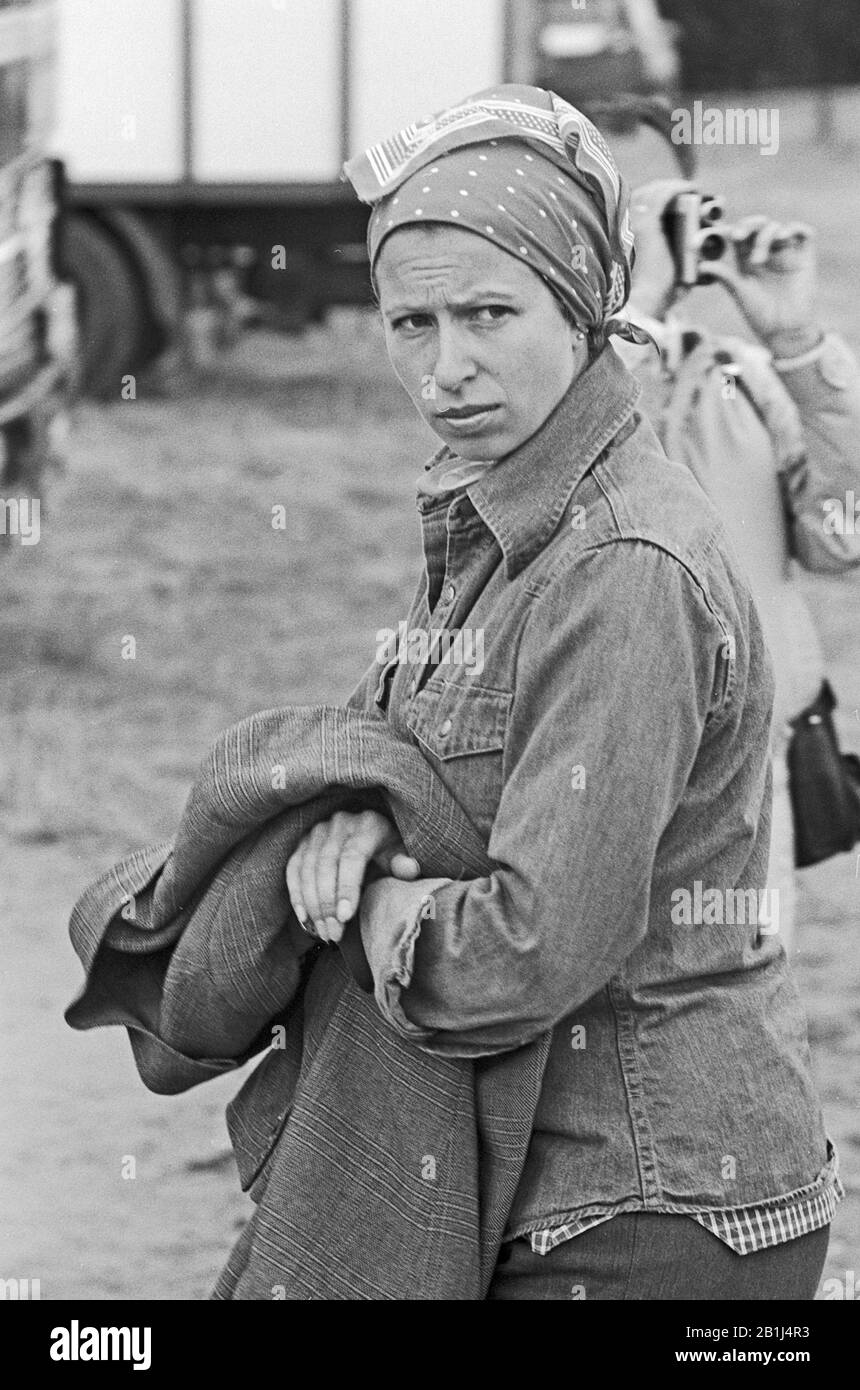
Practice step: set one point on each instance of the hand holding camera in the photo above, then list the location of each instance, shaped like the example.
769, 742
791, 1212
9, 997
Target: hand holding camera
770, 268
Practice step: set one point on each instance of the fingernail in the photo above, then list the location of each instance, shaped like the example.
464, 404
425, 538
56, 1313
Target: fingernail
344, 910
332, 924
321, 928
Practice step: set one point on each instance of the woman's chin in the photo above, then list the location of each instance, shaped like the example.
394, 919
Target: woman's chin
486, 447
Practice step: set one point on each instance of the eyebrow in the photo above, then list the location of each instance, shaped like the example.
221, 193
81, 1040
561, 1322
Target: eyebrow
476, 298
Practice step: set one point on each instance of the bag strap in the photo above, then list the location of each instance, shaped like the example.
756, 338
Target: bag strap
821, 708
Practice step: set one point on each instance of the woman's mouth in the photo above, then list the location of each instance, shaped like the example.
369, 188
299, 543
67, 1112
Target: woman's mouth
467, 419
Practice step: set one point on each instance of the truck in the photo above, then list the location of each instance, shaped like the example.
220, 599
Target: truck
591, 50
37, 315
203, 141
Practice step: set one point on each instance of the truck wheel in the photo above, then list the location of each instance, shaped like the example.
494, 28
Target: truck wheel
113, 318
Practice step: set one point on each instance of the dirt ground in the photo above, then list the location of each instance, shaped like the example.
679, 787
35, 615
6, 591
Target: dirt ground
161, 531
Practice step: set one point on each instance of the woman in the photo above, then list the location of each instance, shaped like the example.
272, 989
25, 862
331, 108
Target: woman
613, 747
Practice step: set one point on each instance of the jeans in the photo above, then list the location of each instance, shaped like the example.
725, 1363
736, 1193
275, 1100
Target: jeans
648, 1256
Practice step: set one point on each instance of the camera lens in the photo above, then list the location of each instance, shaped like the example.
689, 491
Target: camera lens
712, 246
711, 211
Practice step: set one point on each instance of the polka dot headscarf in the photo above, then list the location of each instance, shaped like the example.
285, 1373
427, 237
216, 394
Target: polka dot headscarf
525, 170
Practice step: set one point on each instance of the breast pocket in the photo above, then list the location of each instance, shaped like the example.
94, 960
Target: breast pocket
461, 727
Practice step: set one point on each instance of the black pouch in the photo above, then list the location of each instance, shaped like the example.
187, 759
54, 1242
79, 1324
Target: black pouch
824, 785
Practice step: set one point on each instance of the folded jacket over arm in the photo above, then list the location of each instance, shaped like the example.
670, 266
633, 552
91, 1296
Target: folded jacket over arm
380, 1171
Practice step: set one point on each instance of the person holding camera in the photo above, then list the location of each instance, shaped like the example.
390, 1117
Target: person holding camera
770, 431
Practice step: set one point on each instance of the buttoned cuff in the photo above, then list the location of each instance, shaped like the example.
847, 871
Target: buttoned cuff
392, 914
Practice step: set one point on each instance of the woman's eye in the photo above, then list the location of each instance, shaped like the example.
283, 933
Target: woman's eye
412, 323
492, 313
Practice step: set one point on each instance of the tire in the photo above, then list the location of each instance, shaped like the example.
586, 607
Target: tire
112, 311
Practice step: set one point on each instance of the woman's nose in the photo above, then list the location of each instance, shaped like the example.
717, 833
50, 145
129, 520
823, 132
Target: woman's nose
455, 363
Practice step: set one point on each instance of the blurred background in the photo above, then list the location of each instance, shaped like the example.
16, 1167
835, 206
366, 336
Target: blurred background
196, 409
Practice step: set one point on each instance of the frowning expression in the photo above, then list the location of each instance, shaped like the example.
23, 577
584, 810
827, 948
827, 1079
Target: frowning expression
477, 339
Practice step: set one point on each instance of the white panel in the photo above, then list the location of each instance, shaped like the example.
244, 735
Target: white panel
26, 32
120, 90
266, 90
411, 57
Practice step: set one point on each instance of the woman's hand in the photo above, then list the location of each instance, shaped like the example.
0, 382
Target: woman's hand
326, 869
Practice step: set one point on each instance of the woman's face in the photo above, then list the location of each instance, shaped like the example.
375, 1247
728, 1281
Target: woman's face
476, 338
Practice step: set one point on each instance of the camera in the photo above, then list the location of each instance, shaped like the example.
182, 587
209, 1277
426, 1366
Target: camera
696, 234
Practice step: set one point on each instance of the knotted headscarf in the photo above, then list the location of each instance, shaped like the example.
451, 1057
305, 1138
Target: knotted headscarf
527, 171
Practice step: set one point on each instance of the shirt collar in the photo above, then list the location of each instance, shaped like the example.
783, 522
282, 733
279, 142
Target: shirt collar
523, 497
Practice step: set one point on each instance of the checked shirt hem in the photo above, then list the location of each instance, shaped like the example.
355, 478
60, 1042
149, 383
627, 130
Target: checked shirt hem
744, 1229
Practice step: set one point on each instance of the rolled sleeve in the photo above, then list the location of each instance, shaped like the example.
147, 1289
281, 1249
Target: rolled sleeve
391, 915
596, 765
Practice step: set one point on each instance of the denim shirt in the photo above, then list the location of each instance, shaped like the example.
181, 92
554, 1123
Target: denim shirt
613, 745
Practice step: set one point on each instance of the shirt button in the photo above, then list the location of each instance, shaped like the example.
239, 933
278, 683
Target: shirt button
445, 728
450, 594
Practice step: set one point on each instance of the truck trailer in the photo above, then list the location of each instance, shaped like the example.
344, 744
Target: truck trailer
206, 137
37, 318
